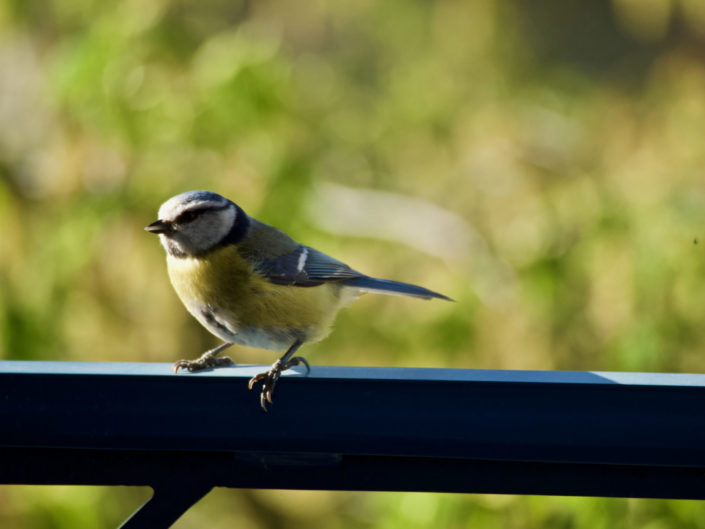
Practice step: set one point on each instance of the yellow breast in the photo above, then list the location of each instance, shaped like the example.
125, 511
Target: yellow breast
259, 312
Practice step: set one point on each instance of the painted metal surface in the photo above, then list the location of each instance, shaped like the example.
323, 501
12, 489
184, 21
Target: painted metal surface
345, 428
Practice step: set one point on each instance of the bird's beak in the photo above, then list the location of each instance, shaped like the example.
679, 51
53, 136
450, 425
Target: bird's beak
158, 226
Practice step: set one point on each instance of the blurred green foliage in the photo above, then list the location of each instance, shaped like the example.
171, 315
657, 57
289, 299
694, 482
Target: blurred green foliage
541, 162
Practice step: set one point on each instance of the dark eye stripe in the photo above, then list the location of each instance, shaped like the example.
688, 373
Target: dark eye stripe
188, 216
192, 214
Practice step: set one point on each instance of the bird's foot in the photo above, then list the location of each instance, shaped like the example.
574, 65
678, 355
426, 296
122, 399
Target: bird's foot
206, 360
270, 378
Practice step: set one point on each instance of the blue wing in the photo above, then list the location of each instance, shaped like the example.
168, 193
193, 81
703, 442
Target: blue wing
306, 267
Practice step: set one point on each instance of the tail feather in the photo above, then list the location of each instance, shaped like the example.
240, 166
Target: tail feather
387, 286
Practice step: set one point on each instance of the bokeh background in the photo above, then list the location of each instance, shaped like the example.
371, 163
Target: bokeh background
540, 162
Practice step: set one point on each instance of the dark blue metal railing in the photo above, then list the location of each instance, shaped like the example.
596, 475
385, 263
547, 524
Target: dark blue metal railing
345, 428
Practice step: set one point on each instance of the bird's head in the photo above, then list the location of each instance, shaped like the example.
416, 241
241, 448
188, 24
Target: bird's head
195, 222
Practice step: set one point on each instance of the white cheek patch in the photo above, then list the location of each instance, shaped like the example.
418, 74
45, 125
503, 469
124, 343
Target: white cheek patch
229, 216
208, 229
302, 260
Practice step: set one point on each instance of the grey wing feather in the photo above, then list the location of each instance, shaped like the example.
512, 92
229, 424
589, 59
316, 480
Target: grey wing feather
305, 267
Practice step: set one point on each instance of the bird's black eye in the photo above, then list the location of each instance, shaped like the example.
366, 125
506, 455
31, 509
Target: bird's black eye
187, 216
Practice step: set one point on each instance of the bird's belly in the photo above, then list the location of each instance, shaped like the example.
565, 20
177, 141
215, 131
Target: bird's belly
244, 308
270, 338
228, 327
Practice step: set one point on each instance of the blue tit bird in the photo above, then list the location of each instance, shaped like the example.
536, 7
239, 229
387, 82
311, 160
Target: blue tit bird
249, 283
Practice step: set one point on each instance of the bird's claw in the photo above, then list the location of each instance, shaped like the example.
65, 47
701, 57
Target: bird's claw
296, 361
203, 362
269, 381
271, 377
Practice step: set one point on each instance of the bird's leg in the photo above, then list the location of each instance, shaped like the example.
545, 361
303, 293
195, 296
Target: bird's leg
207, 359
270, 378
